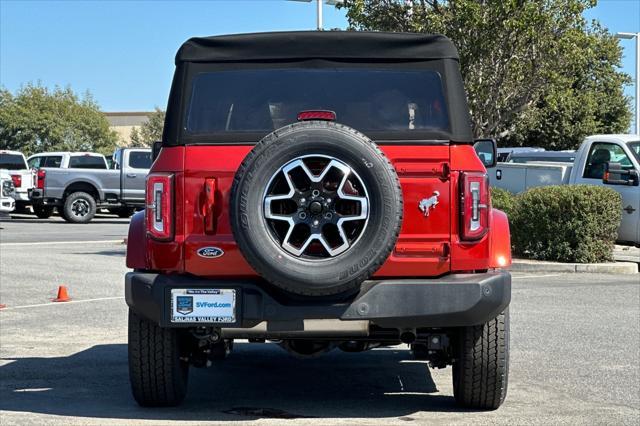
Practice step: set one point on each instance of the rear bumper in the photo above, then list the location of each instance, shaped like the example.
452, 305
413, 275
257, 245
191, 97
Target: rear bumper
450, 301
21, 195
37, 197
7, 205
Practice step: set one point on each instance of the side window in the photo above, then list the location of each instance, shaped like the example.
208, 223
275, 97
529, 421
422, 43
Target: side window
87, 162
140, 160
53, 161
34, 162
602, 153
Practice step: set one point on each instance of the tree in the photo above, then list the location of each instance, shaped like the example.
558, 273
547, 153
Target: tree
588, 99
150, 131
37, 119
534, 70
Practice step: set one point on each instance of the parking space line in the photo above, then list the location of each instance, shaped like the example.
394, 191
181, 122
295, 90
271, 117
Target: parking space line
8, 308
535, 276
44, 243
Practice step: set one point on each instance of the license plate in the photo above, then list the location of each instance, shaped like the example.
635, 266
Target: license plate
203, 305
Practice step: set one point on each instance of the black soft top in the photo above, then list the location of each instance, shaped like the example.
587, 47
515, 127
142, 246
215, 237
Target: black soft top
350, 45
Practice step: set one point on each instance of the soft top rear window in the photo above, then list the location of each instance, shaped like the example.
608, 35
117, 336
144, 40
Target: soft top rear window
263, 100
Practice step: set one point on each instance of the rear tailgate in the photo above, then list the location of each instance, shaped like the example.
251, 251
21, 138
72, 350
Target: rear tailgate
423, 245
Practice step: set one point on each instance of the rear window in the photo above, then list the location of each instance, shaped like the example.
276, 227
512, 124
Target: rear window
366, 99
12, 162
140, 160
87, 162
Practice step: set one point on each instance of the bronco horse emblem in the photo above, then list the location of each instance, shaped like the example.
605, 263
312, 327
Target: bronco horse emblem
428, 203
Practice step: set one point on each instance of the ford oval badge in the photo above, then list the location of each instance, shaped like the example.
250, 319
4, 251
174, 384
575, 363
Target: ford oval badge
210, 252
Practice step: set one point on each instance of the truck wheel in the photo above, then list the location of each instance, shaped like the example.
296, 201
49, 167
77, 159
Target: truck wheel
316, 208
158, 376
43, 212
79, 207
481, 366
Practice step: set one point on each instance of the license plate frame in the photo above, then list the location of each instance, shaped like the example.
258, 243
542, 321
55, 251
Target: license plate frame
203, 306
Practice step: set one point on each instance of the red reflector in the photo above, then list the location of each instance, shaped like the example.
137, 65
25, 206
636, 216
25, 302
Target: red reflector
317, 115
17, 180
40, 176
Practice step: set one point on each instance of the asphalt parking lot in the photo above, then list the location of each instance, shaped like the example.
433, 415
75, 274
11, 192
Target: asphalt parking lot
575, 352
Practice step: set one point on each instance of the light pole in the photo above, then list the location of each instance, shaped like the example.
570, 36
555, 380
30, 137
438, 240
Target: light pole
630, 36
319, 9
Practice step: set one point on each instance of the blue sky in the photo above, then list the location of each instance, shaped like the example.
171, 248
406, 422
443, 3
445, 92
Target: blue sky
122, 51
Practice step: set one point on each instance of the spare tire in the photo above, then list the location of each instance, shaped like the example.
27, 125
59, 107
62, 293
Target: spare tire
316, 208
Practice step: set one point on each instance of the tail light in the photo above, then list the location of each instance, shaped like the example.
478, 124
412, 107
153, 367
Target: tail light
40, 176
17, 180
475, 203
159, 209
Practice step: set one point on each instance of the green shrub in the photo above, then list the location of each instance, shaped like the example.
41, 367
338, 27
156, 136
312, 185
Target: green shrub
504, 200
568, 223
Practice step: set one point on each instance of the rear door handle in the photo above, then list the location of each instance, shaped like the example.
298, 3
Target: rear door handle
131, 175
629, 209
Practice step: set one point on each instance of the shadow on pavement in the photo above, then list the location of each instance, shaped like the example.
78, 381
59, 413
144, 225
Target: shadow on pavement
256, 381
122, 252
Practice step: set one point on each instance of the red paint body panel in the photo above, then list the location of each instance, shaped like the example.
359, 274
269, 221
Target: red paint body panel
136, 242
427, 245
423, 243
500, 240
465, 256
168, 256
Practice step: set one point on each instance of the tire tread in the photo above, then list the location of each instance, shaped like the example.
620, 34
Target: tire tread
482, 365
158, 378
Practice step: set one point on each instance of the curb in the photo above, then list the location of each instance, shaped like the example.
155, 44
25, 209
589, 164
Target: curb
521, 265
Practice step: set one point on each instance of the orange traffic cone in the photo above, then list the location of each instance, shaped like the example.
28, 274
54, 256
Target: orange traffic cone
63, 295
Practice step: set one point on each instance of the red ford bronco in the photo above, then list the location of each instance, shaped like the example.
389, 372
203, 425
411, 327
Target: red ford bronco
320, 190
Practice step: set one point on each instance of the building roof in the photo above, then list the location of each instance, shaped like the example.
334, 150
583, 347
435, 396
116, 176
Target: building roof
135, 118
317, 45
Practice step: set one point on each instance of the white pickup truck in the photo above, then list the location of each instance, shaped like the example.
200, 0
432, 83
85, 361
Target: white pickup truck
612, 160
23, 177
68, 160
7, 191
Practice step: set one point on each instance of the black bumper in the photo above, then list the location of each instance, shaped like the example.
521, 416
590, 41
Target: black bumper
37, 198
450, 301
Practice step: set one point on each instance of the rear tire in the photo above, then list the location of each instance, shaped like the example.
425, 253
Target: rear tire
43, 212
481, 369
79, 207
158, 376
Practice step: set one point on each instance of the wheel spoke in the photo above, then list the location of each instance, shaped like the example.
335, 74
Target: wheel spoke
316, 206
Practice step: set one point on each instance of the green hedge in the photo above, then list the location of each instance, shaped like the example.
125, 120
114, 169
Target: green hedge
504, 200
567, 223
